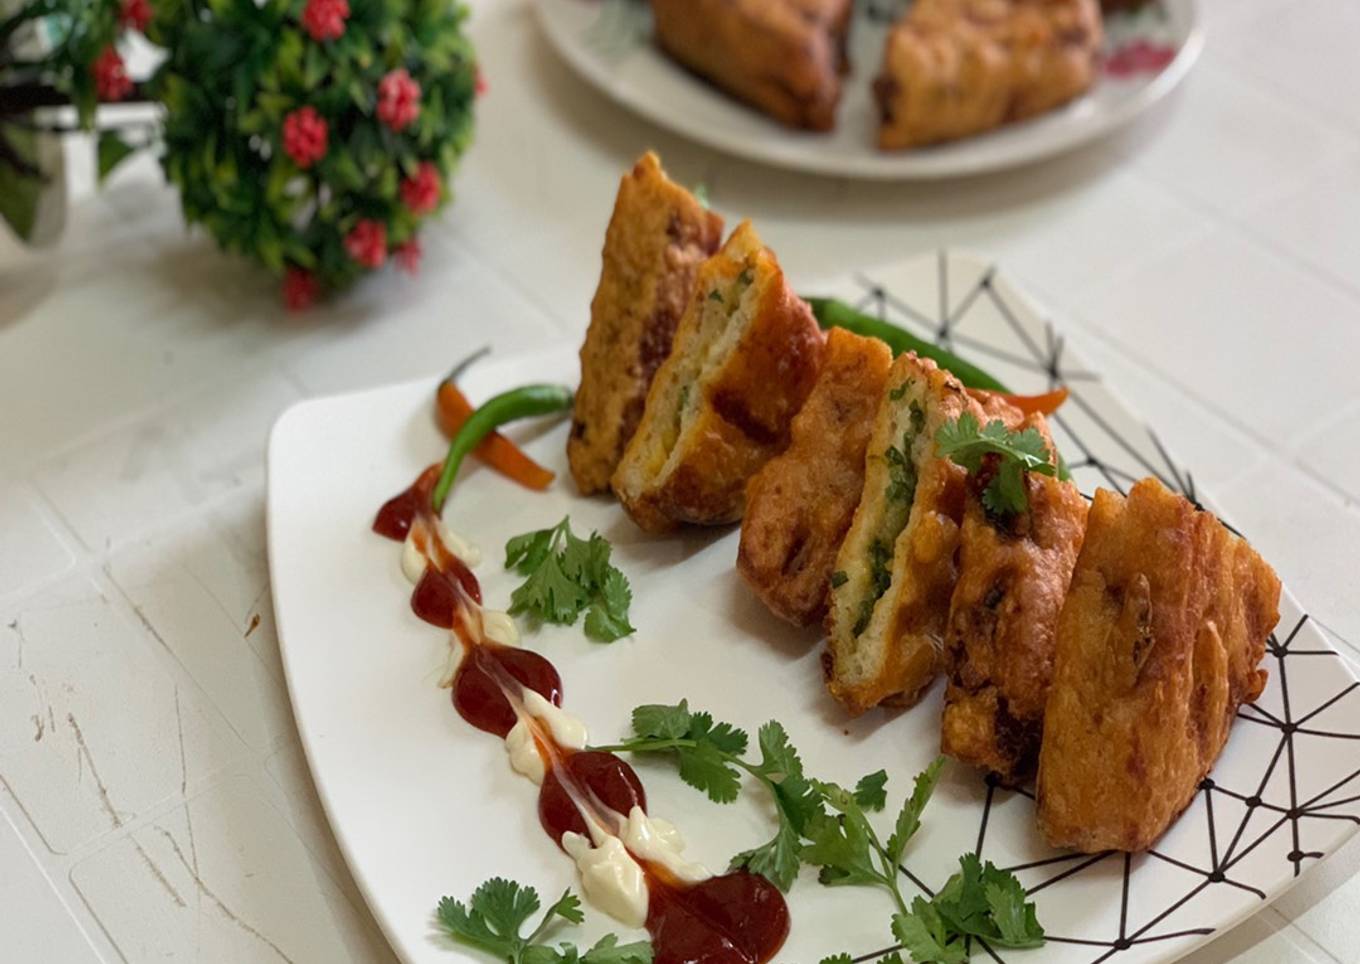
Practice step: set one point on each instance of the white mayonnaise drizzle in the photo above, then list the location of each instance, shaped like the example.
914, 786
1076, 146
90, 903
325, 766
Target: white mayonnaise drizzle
660, 843
612, 877
525, 757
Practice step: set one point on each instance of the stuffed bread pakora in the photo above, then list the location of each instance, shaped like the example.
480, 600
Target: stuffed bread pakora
745, 356
952, 68
1014, 572
799, 506
1159, 644
895, 570
784, 57
658, 236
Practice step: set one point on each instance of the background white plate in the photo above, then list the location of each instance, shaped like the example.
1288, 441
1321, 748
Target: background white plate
424, 805
609, 43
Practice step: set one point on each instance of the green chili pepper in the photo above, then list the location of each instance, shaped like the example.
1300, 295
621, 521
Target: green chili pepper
517, 403
831, 313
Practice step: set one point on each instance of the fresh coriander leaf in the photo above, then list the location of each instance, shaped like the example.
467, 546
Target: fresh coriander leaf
658, 722
871, 792
897, 393
893, 958
745, 277
568, 907
715, 295
838, 579
925, 937
1017, 924
778, 758
837, 959
608, 950
493, 917
549, 594
967, 443
909, 817
615, 593
603, 626
578, 559
777, 861
524, 553
723, 736
839, 845
962, 901
706, 768
798, 800
599, 551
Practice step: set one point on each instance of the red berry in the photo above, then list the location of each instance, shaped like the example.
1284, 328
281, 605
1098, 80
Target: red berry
300, 289
421, 192
305, 136
135, 14
366, 243
111, 81
398, 99
408, 256
325, 19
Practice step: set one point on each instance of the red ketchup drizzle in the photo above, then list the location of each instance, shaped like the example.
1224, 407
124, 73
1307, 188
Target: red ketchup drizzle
738, 918
603, 776
479, 696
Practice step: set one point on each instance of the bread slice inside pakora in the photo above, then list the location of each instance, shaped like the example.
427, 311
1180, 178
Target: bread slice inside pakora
745, 356
658, 236
1159, 644
896, 568
799, 506
1003, 618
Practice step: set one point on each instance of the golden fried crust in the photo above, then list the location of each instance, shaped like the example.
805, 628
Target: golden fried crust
657, 238
1013, 578
1159, 643
952, 68
745, 357
783, 57
896, 654
799, 506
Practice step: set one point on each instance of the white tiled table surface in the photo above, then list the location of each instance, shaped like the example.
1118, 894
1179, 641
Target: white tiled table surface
154, 803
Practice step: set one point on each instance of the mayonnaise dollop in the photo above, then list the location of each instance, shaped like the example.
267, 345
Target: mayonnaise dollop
612, 880
658, 842
567, 731
525, 757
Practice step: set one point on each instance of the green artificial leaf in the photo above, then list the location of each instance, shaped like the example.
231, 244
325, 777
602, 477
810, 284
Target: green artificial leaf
871, 792
909, 817
19, 192
112, 150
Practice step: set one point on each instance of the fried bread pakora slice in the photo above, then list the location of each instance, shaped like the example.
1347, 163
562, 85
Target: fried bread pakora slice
784, 57
1013, 577
896, 568
745, 356
658, 236
952, 68
1159, 644
799, 506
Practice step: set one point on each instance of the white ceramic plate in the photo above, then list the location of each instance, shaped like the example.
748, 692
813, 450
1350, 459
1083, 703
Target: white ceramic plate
424, 805
609, 43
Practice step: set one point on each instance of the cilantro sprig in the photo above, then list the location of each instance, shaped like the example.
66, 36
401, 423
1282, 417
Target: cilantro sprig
827, 826
494, 916
568, 575
970, 444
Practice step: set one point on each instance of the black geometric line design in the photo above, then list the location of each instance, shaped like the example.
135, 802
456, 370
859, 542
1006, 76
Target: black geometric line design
1239, 821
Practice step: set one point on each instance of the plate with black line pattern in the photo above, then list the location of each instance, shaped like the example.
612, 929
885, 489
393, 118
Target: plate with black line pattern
423, 805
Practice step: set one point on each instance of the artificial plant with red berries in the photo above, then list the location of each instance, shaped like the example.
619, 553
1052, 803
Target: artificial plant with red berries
315, 136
